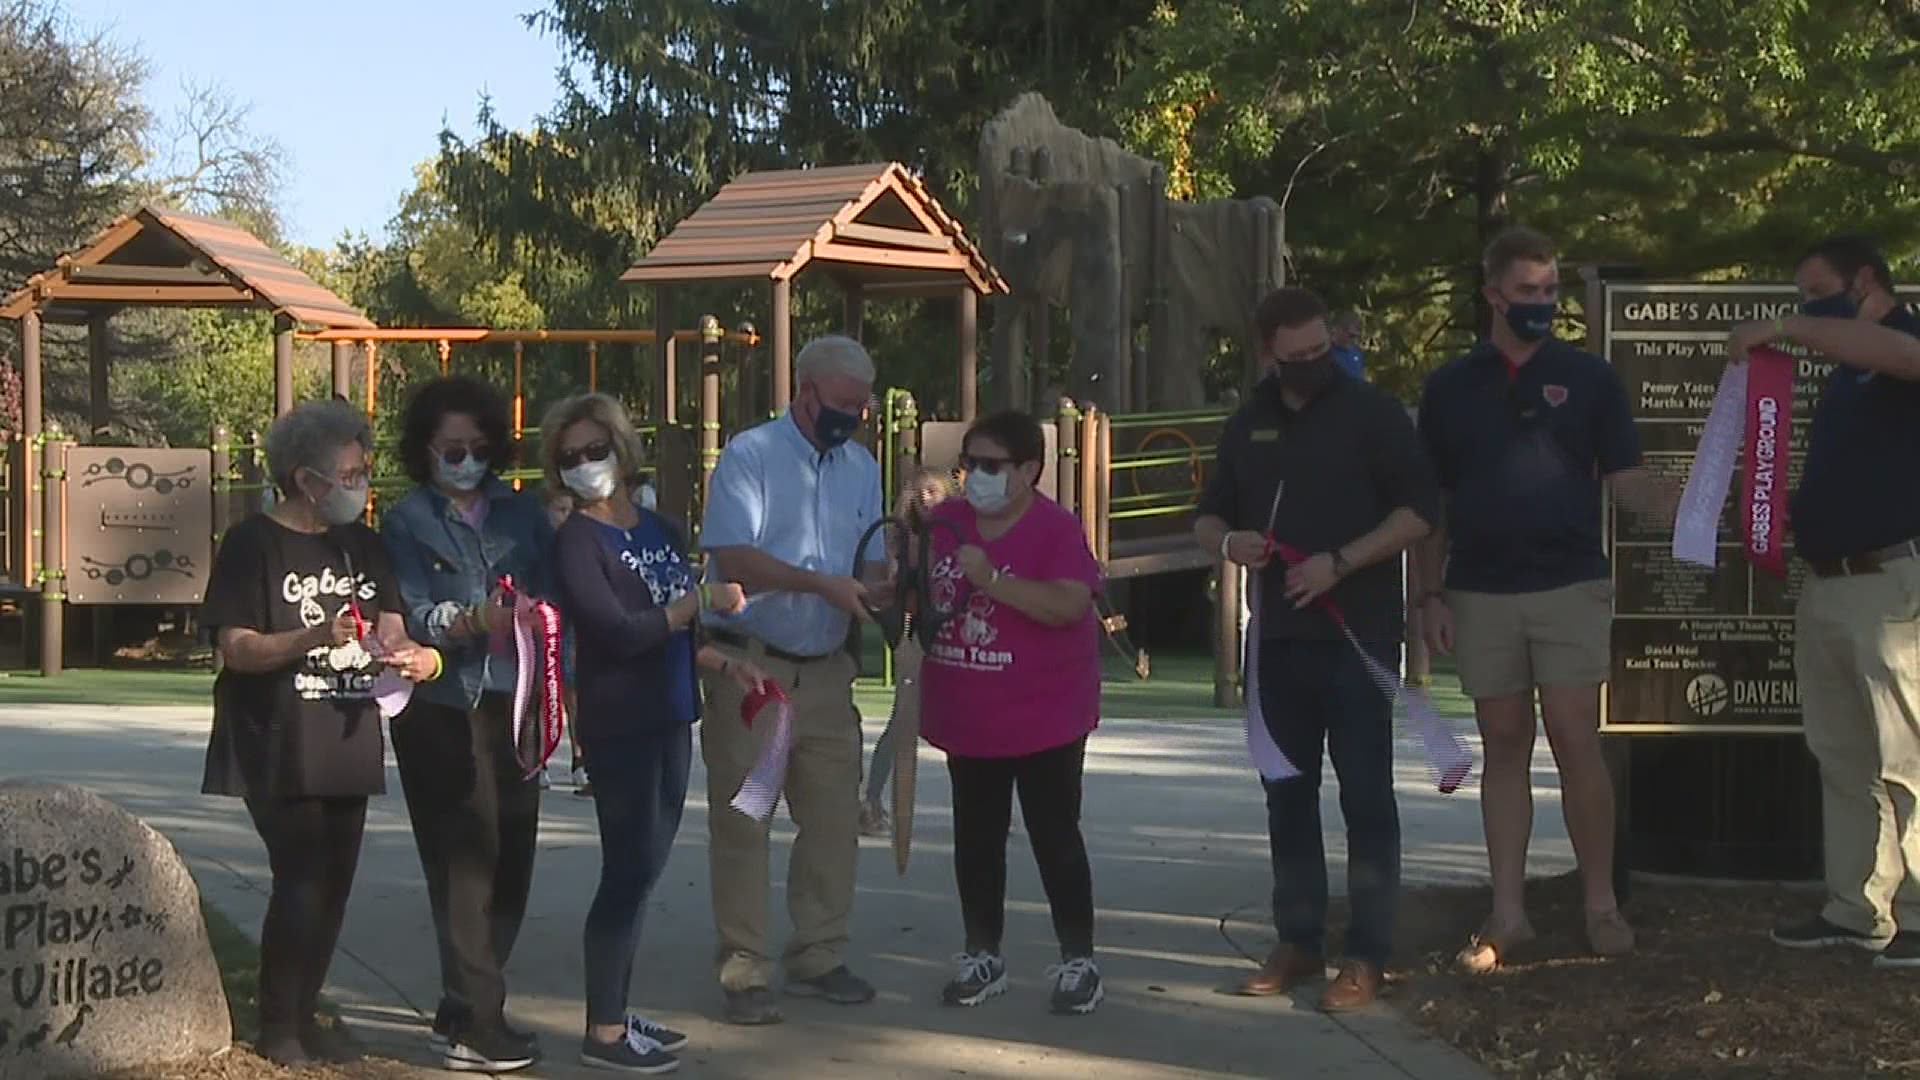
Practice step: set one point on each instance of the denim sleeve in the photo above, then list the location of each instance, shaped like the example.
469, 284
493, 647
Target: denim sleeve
426, 621
736, 503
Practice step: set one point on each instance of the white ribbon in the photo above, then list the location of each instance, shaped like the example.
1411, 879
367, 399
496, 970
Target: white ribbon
1266, 754
1696, 527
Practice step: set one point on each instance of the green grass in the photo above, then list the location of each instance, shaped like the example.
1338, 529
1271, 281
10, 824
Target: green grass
108, 686
239, 960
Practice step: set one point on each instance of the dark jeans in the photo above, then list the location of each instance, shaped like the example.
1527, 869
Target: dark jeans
475, 821
1315, 692
1049, 784
639, 793
313, 846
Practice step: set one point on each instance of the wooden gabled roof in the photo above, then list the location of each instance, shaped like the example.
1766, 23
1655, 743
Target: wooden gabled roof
155, 256
870, 224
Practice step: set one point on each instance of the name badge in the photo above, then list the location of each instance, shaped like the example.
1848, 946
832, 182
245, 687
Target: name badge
1265, 435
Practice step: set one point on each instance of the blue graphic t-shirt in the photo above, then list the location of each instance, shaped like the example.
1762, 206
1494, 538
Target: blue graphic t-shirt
648, 551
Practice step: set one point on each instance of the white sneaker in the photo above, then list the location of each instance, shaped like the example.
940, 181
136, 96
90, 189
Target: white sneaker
581, 786
546, 781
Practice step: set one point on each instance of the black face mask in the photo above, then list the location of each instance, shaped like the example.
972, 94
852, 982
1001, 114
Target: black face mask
1303, 378
831, 427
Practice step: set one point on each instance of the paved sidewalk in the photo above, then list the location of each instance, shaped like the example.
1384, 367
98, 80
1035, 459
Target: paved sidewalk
1174, 822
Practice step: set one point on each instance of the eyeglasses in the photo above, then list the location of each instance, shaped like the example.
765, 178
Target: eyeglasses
593, 451
355, 478
991, 466
457, 454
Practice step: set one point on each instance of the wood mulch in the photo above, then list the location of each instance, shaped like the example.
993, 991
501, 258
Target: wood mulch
1706, 995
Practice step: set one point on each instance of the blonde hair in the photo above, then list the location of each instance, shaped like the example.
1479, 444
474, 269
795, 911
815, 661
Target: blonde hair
941, 480
600, 409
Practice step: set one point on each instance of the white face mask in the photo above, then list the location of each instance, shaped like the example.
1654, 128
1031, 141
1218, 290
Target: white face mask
988, 494
592, 480
341, 503
462, 477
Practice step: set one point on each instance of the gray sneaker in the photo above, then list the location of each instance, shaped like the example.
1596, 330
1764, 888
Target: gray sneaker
840, 986
632, 1052
1077, 989
753, 1007
1902, 952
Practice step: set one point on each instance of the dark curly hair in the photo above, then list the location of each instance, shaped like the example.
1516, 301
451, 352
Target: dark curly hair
454, 394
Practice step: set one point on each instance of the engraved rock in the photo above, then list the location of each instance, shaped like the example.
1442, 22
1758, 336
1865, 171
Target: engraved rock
104, 959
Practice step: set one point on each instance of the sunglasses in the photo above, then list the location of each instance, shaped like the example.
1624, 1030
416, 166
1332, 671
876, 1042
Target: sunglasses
990, 466
593, 451
457, 455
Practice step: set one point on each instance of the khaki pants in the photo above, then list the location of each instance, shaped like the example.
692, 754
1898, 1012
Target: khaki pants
823, 796
1858, 659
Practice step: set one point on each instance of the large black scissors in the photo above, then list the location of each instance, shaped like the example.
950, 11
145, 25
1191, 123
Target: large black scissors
920, 606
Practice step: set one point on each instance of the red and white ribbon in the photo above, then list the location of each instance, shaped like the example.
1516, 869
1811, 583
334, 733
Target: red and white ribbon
1754, 406
760, 791
1449, 759
534, 626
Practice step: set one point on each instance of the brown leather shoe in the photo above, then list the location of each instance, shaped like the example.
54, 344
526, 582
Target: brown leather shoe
1356, 987
1287, 966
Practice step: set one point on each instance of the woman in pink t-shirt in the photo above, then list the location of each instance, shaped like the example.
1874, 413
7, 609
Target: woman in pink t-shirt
1010, 689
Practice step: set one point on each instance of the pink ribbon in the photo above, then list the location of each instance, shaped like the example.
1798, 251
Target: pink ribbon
1763, 490
761, 789
534, 627
1449, 759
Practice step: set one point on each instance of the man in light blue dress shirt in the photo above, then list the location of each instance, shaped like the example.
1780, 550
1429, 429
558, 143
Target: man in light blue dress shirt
785, 511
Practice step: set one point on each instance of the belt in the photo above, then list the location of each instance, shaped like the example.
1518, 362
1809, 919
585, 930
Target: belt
1867, 563
741, 641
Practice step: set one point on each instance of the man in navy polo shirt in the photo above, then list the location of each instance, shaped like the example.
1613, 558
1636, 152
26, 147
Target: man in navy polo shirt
1523, 431
1856, 522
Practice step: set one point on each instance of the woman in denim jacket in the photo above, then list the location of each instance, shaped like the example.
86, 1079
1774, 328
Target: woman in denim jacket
474, 807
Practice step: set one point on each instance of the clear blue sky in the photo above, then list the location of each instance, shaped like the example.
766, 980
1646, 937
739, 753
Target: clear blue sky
355, 91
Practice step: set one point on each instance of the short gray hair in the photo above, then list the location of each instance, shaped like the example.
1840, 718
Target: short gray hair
834, 354
311, 436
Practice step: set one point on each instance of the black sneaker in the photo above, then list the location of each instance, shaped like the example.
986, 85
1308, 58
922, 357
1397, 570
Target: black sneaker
450, 1016
488, 1052
753, 1007
1901, 952
978, 976
1818, 933
840, 986
1077, 989
633, 1053
670, 1040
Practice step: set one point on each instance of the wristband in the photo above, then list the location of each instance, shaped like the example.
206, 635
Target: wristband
1225, 539
439, 665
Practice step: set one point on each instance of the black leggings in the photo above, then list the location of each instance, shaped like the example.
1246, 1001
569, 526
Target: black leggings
313, 846
1049, 784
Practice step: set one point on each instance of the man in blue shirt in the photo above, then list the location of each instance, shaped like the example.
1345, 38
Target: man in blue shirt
785, 511
1856, 523
1523, 430
1344, 331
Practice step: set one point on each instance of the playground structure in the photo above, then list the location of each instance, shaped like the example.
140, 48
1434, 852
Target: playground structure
1132, 478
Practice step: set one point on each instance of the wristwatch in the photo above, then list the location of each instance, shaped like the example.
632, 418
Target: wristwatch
1340, 564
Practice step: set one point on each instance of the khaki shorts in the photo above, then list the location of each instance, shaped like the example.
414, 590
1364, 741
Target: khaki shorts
1508, 643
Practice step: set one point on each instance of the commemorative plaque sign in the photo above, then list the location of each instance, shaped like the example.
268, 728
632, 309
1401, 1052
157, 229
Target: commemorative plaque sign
1697, 649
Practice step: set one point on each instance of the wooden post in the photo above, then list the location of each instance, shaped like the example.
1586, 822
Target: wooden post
282, 365
53, 573
782, 345
372, 350
519, 397
665, 385
666, 406
969, 370
445, 350
342, 381
710, 337
593, 367
1089, 440
100, 379
855, 315
1012, 389
1226, 634
30, 430
1103, 487
1067, 445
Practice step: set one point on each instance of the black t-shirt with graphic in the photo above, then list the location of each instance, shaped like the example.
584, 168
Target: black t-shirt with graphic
310, 729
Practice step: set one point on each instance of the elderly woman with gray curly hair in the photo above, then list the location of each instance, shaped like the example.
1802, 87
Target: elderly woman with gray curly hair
304, 608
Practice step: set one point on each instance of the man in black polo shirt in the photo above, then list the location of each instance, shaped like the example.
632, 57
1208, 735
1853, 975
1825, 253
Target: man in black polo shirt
1856, 522
1523, 430
1330, 466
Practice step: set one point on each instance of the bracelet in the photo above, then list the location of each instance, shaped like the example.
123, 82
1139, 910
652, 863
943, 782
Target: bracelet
439, 665
1225, 539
